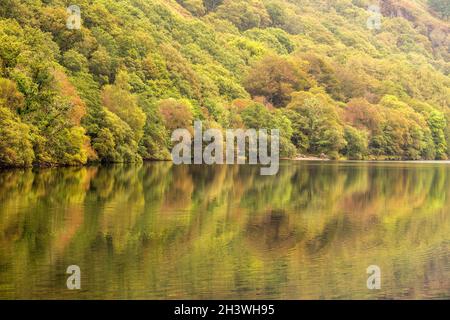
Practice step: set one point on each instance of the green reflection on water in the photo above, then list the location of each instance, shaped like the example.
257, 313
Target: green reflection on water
159, 231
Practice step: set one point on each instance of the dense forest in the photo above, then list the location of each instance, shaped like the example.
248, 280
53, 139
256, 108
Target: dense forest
114, 89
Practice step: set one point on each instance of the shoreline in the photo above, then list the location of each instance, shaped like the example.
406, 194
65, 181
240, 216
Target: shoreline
307, 158
296, 159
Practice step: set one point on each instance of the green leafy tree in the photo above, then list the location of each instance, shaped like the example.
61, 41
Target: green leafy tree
244, 14
323, 128
75, 61
118, 99
16, 148
442, 7
196, 7
438, 124
212, 4
357, 143
156, 140
257, 116
277, 14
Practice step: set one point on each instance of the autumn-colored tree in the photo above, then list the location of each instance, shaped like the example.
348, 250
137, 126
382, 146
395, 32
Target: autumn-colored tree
276, 78
177, 114
363, 115
77, 107
324, 74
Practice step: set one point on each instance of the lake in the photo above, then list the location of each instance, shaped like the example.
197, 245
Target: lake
160, 231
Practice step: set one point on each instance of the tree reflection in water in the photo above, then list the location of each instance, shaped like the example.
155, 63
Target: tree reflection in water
162, 231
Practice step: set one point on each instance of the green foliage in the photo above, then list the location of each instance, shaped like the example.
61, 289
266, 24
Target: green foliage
244, 14
319, 122
156, 140
113, 90
277, 14
357, 143
15, 143
195, 7
118, 99
258, 116
442, 7
68, 147
10, 97
437, 124
211, 5
75, 61
116, 142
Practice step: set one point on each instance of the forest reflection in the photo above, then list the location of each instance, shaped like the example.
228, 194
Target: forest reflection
162, 231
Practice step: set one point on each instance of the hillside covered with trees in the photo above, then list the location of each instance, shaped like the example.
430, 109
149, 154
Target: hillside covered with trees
114, 89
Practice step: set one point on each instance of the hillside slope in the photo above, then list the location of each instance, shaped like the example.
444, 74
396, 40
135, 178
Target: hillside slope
114, 89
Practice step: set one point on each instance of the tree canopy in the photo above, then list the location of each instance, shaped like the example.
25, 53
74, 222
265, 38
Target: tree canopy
113, 89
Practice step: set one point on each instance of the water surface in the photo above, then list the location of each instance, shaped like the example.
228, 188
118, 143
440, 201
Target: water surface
159, 231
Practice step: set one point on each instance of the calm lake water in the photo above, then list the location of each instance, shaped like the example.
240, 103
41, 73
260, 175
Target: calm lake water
159, 231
